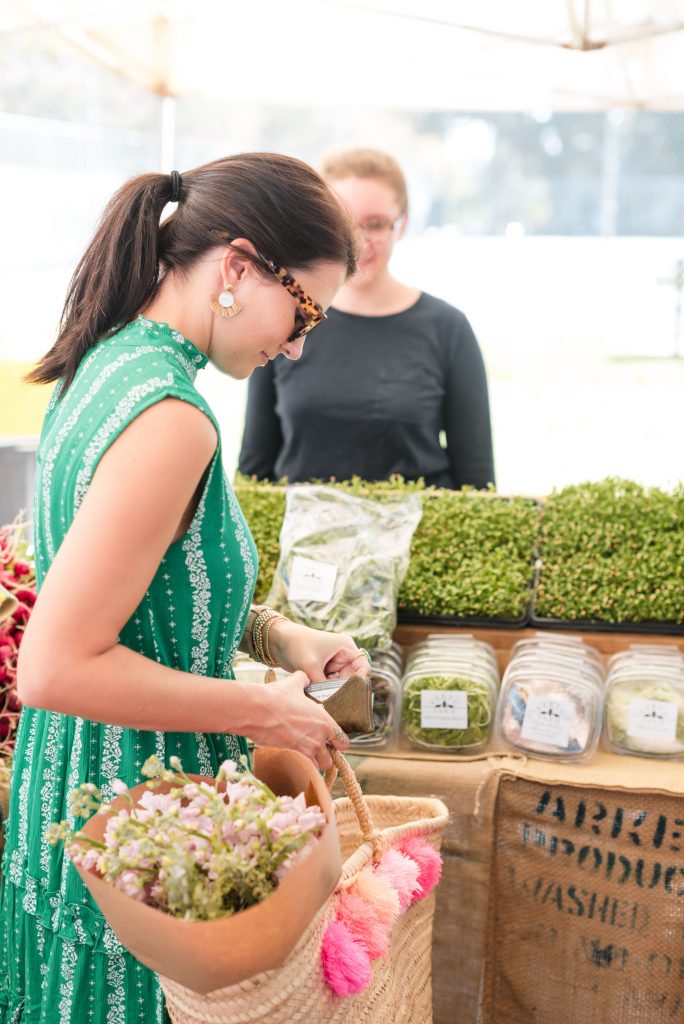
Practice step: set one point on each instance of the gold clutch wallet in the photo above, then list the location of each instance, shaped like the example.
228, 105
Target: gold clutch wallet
348, 701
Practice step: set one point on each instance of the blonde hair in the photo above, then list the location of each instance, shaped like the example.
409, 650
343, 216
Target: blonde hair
366, 163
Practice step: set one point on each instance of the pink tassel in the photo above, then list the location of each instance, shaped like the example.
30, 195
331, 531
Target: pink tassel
346, 965
429, 864
402, 874
378, 891
362, 920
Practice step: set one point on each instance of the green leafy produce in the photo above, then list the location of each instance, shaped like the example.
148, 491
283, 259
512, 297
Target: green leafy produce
361, 546
470, 555
480, 712
618, 701
612, 552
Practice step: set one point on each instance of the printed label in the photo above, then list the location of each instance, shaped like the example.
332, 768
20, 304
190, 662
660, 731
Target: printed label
547, 720
652, 719
443, 709
311, 580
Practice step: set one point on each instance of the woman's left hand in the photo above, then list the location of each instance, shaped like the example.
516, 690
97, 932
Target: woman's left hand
320, 654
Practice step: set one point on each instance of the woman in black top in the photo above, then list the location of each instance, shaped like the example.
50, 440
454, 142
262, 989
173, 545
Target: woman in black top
390, 370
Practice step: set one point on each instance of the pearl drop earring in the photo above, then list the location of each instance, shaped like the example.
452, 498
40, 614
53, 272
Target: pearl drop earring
224, 303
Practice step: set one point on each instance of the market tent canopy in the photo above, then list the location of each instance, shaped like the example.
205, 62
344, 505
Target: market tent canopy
432, 54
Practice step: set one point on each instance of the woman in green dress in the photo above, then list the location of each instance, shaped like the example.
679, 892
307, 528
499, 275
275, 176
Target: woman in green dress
145, 564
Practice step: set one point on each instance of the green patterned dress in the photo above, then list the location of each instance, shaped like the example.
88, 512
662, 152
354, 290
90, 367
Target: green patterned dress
59, 960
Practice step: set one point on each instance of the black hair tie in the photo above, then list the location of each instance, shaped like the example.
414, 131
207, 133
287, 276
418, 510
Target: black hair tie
175, 187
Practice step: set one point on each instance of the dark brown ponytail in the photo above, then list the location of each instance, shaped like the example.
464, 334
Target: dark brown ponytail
280, 204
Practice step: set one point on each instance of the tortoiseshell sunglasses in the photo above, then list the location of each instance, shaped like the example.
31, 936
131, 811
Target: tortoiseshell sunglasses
309, 310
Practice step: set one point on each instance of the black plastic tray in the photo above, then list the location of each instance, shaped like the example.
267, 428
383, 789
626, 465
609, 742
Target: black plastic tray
476, 621
648, 628
409, 618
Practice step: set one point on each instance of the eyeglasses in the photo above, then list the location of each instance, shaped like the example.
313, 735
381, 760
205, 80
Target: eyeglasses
307, 309
376, 227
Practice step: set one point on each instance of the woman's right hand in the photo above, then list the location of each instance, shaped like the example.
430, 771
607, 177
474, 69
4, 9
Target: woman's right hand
294, 721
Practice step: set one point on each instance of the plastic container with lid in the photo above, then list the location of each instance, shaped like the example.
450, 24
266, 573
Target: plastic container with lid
391, 659
558, 647
449, 696
644, 702
550, 702
386, 687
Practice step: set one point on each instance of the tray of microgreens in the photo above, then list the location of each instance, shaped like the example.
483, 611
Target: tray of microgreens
612, 558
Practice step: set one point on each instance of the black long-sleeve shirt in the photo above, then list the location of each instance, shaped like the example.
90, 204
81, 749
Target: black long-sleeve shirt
370, 397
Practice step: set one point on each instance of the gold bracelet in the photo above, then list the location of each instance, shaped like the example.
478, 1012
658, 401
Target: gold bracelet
266, 629
260, 621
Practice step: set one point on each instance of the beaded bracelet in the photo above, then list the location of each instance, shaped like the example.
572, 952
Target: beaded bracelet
268, 657
265, 618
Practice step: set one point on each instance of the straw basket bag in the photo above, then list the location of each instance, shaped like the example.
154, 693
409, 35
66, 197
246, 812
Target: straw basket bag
400, 991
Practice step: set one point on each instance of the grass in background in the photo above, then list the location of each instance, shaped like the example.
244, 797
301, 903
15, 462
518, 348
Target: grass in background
22, 406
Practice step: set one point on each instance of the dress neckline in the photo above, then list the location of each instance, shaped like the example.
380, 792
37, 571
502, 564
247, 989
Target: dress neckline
190, 350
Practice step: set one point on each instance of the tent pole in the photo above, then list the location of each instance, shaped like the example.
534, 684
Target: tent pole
167, 154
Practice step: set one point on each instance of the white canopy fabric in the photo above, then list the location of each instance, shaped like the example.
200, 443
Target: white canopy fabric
427, 54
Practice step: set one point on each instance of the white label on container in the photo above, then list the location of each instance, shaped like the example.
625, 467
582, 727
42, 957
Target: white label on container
547, 720
652, 719
311, 580
443, 709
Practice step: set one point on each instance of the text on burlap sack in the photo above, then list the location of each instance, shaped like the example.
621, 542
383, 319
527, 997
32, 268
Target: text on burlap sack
599, 884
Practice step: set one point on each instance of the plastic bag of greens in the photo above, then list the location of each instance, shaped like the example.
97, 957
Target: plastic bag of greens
342, 560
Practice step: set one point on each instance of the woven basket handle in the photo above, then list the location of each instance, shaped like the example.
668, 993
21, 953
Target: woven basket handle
368, 830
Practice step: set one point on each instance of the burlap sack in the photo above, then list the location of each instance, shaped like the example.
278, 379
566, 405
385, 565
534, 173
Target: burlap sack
458, 943
586, 920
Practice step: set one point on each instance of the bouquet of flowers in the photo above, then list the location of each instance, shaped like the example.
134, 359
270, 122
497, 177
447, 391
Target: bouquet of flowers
202, 850
17, 597
208, 881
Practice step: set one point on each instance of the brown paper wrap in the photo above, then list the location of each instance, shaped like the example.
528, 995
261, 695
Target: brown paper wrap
209, 955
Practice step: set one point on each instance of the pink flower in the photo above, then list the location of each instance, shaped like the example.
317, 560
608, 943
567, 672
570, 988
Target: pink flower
239, 791
91, 859
132, 884
281, 822
150, 801
311, 819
